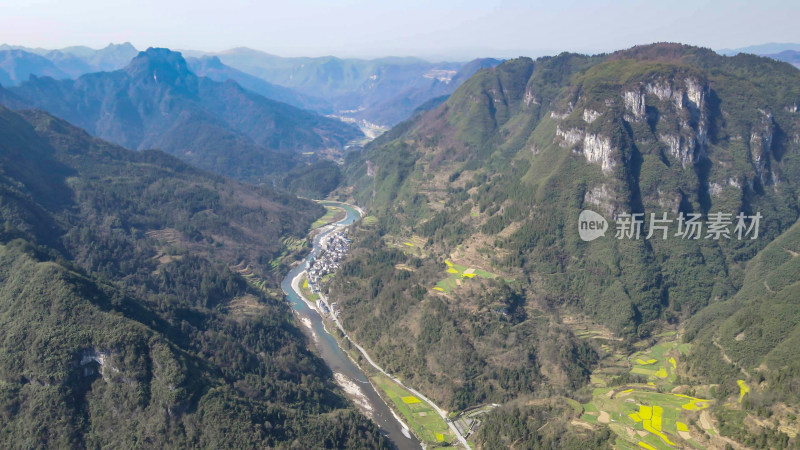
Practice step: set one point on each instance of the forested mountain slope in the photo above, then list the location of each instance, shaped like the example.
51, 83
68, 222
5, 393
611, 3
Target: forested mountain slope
139, 304
474, 273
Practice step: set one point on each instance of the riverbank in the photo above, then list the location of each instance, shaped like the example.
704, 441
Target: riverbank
407, 401
353, 381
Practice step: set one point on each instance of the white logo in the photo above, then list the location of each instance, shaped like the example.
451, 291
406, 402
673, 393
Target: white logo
591, 225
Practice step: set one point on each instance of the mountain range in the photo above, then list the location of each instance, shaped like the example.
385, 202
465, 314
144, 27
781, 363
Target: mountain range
790, 56
382, 91
68, 62
157, 102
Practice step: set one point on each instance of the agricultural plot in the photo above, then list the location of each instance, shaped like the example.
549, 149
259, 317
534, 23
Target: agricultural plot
369, 221
649, 415
305, 289
332, 214
417, 414
413, 245
456, 273
743, 389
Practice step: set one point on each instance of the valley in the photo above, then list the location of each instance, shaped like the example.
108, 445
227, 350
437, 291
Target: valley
167, 281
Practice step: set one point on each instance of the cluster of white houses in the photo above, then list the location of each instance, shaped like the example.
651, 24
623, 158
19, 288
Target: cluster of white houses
332, 249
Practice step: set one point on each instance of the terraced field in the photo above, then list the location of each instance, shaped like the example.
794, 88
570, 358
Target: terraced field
657, 413
413, 245
456, 273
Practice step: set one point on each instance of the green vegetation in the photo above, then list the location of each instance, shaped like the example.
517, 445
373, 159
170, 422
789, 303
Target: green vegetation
306, 291
498, 175
441, 350
541, 425
645, 411
315, 180
332, 214
457, 273
425, 421
369, 221
136, 305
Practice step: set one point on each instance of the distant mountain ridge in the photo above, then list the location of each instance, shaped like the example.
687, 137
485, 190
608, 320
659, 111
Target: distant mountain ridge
211, 67
789, 53
73, 62
790, 56
383, 91
761, 49
16, 66
156, 101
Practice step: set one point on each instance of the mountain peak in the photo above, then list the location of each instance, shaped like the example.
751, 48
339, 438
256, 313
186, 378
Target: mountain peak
163, 66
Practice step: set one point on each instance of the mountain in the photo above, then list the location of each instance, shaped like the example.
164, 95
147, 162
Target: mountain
157, 102
71, 62
107, 59
762, 49
383, 91
211, 67
790, 56
17, 66
139, 304
393, 98
471, 280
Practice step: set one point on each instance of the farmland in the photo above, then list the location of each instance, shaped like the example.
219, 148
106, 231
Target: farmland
332, 214
456, 273
419, 415
651, 411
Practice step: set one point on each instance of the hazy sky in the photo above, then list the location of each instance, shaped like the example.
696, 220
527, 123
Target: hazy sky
432, 29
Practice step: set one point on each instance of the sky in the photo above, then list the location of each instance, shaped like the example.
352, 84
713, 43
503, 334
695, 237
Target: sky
446, 29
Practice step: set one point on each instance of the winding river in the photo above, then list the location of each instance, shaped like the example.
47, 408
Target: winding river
346, 371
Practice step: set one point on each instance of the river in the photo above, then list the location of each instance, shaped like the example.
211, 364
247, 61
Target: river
347, 371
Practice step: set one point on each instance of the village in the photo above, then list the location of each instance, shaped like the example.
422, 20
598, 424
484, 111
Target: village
333, 247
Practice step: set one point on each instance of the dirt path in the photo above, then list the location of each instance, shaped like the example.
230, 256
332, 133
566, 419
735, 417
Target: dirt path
728, 359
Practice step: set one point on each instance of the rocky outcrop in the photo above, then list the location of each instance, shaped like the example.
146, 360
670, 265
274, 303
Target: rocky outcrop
597, 149
590, 115
761, 143
563, 114
602, 197
530, 97
695, 92
569, 138
661, 89
690, 94
689, 98
680, 148
635, 104
92, 361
